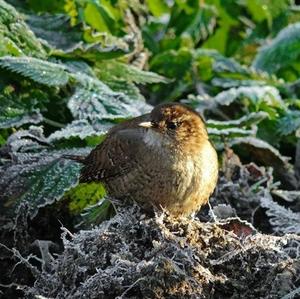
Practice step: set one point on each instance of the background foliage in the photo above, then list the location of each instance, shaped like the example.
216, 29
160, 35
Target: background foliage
69, 70
72, 69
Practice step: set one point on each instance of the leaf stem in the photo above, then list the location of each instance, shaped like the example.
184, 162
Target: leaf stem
53, 123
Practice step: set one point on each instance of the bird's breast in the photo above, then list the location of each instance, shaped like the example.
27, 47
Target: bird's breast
156, 140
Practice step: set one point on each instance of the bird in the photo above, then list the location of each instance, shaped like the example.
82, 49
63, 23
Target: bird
163, 159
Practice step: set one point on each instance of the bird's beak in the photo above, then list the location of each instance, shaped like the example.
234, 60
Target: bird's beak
146, 124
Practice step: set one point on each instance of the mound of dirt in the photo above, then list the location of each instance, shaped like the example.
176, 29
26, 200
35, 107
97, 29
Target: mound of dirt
134, 255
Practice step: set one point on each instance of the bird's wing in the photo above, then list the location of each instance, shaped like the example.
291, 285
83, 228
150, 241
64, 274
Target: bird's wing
114, 156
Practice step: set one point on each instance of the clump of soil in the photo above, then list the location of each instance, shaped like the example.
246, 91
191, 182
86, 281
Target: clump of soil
134, 255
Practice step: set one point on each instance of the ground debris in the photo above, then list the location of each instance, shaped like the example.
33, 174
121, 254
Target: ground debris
134, 255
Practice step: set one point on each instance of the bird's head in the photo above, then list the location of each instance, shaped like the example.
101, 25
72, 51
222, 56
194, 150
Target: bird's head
178, 123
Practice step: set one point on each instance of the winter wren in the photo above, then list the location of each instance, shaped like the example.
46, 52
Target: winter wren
163, 158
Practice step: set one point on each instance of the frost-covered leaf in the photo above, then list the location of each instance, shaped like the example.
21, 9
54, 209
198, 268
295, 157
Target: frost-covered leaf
95, 100
31, 140
282, 219
230, 132
16, 110
93, 52
129, 89
54, 29
34, 173
220, 63
229, 83
81, 128
38, 184
282, 51
97, 213
289, 123
265, 154
40, 71
239, 227
222, 211
15, 117
256, 94
121, 77
202, 23
247, 120
289, 196
128, 73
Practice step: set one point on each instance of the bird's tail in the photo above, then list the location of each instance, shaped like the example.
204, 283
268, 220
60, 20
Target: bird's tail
79, 159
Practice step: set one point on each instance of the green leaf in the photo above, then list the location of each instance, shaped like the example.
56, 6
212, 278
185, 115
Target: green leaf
50, 6
84, 195
99, 17
40, 71
16, 37
220, 63
266, 9
281, 52
172, 64
157, 7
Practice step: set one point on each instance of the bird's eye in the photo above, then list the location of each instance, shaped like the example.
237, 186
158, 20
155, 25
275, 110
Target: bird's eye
172, 125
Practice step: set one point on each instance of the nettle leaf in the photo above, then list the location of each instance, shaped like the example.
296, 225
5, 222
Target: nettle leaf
289, 196
227, 72
230, 132
81, 128
95, 100
203, 23
129, 89
247, 120
15, 113
128, 73
97, 213
94, 51
40, 71
16, 37
220, 63
55, 30
283, 220
35, 178
229, 83
289, 123
236, 128
282, 51
15, 117
256, 94
84, 195
122, 78
41, 186
263, 153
